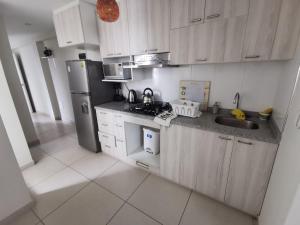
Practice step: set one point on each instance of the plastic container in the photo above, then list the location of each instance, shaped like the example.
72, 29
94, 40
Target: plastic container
151, 141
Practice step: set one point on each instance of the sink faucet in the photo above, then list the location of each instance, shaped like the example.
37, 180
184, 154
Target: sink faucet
236, 100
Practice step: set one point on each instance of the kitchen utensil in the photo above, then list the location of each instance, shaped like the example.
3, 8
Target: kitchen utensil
148, 96
132, 96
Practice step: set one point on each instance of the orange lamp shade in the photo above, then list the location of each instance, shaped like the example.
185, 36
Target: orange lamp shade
108, 10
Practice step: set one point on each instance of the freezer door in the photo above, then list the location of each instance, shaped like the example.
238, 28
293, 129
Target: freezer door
78, 76
85, 122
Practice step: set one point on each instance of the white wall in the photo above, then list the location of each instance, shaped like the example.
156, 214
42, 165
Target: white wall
294, 216
35, 76
60, 76
15, 85
12, 124
256, 82
14, 194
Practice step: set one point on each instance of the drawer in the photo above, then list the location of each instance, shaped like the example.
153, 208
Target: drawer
118, 118
105, 116
121, 147
120, 131
108, 149
106, 127
107, 139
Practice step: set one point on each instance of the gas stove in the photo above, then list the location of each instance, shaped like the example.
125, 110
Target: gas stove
150, 109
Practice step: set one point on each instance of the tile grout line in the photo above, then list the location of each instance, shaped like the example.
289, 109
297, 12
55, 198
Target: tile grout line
187, 202
116, 213
40, 220
143, 181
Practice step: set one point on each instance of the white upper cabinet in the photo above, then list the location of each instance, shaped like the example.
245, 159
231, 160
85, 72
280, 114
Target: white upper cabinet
75, 24
179, 46
287, 34
158, 26
261, 29
114, 37
149, 26
179, 13
138, 32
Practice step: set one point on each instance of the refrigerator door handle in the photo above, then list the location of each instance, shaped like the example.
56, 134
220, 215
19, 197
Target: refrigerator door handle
85, 108
298, 122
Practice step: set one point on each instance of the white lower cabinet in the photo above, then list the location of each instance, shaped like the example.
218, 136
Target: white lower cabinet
229, 169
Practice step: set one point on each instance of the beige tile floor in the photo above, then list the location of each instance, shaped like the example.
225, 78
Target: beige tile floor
83, 188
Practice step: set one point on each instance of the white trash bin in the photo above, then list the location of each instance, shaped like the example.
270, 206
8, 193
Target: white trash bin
151, 141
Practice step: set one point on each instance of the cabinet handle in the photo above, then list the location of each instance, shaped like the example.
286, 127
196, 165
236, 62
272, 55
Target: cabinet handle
69, 42
245, 143
107, 146
103, 113
104, 124
201, 60
120, 141
110, 54
142, 165
153, 50
104, 136
120, 126
213, 16
196, 20
252, 56
118, 53
225, 138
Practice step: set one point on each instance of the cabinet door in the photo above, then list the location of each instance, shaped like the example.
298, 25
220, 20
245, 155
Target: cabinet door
261, 29
234, 37
219, 9
179, 46
137, 21
287, 34
177, 157
72, 26
158, 26
59, 28
207, 42
179, 13
213, 160
249, 173
197, 10
106, 37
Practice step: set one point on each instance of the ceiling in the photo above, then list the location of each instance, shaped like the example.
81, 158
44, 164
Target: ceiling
37, 13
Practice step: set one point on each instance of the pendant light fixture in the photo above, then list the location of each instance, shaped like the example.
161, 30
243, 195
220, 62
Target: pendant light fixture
108, 10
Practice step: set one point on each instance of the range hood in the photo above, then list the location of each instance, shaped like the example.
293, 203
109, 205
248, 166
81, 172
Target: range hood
158, 60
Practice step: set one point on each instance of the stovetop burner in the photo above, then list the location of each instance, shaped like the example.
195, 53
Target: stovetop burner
150, 109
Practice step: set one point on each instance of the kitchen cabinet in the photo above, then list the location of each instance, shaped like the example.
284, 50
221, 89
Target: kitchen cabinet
158, 26
179, 46
261, 29
177, 157
75, 24
180, 13
114, 37
196, 10
149, 26
137, 21
207, 42
249, 173
212, 164
287, 34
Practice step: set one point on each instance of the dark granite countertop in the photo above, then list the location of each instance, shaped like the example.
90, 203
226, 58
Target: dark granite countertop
267, 131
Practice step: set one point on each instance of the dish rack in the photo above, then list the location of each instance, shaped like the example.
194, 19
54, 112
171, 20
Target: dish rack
186, 108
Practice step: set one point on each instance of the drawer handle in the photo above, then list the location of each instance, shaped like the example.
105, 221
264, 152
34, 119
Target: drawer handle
120, 141
120, 126
110, 54
213, 16
104, 136
225, 138
252, 57
103, 113
201, 60
69, 42
107, 146
196, 20
138, 163
118, 116
118, 53
245, 143
153, 50
104, 124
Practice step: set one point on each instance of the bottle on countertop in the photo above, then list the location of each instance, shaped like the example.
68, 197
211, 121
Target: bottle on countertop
216, 108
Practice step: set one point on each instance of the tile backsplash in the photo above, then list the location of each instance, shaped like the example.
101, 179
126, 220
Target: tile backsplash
255, 81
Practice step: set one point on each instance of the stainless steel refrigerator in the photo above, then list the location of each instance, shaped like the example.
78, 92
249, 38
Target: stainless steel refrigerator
87, 91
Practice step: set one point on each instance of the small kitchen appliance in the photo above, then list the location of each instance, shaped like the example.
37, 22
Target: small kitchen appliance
117, 71
132, 97
151, 141
148, 96
150, 109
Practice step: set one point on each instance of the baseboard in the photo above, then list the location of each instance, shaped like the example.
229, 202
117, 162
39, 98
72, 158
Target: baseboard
34, 143
27, 165
16, 214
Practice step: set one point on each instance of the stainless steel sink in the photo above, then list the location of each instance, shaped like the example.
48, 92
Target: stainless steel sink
232, 122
